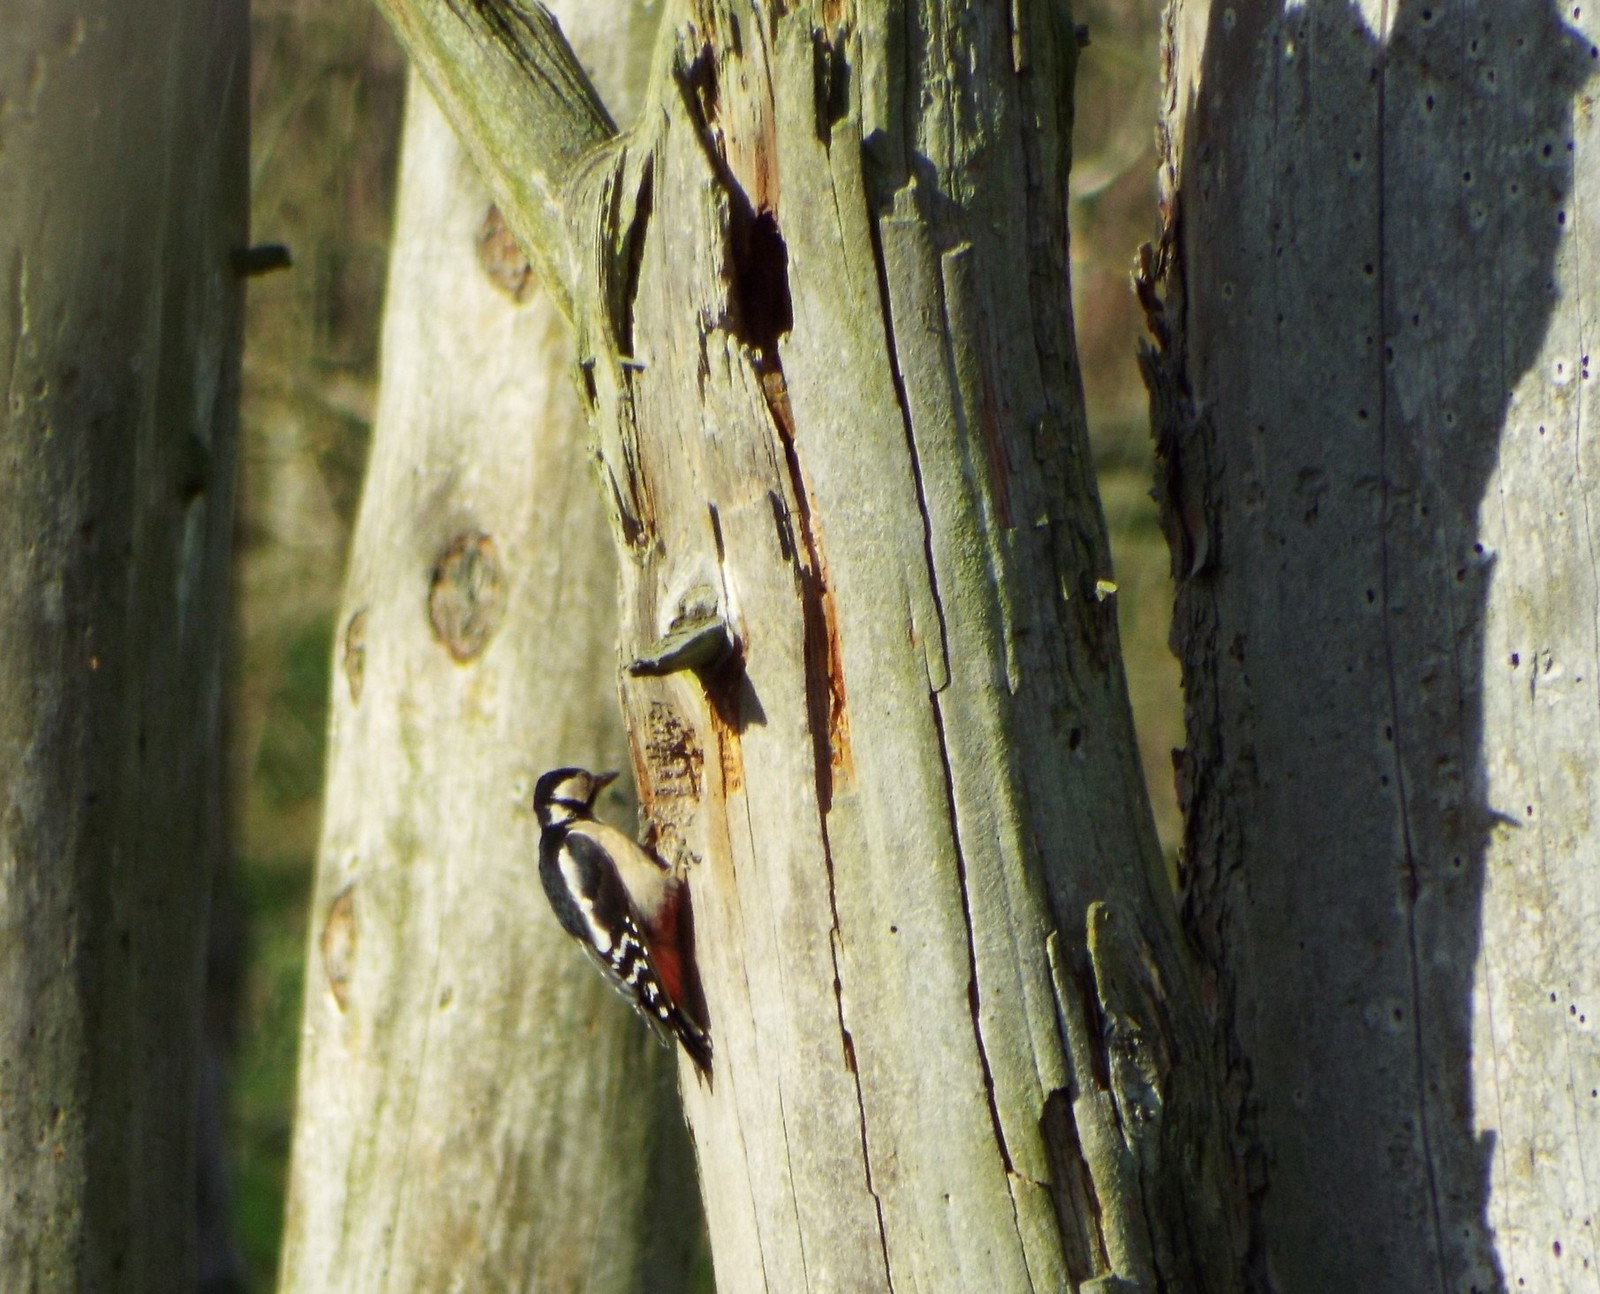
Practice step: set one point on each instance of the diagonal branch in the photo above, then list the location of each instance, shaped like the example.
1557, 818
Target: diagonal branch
519, 101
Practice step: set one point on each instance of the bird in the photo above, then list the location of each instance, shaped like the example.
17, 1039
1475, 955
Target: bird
625, 907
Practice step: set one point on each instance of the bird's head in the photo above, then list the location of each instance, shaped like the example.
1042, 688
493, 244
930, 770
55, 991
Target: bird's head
567, 794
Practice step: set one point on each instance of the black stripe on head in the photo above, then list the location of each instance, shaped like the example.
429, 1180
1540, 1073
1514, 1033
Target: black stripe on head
563, 794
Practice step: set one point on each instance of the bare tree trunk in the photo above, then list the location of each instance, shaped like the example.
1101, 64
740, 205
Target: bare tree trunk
474, 1104
1372, 406
820, 295
123, 172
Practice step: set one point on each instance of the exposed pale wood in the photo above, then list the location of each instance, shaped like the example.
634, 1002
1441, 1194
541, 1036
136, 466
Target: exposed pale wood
123, 152
475, 1105
825, 336
924, 764
1375, 414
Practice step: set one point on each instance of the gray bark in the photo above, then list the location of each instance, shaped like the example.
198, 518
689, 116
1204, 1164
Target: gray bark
123, 189
820, 297
476, 1109
1374, 397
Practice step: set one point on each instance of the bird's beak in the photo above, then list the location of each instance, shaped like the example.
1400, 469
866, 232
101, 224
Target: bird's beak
603, 780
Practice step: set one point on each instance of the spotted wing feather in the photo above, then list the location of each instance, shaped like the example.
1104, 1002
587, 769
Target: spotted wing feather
593, 906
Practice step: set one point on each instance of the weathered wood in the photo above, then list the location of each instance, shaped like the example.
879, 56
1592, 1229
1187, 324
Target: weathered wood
474, 1102
826, 342
1372, 408
123, 191
510, 84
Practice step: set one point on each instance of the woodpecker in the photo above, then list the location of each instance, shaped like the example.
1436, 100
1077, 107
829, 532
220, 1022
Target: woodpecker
620, 902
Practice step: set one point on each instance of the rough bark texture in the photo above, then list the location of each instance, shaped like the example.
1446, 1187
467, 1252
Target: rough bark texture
823, 329
476, 1109
1373, 400
123, 156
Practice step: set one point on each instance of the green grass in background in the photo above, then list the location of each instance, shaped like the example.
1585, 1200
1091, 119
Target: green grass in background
1144, 612
274, 892
1113, 211
284, 788
326, 91
293, 747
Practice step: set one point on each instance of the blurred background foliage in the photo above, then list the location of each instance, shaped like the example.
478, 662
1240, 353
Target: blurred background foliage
327, 95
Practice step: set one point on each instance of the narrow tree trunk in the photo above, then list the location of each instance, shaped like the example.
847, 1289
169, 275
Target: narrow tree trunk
123, 163
474, 1104
1372, 406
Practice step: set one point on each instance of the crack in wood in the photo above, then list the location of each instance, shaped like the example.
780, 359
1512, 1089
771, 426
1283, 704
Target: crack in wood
1391, 672
761, 309
624, 280
1078, 1209
631, 495
1186, 482
828, 720
800, 1231
848, 1044
937, 712
825, 690
830, 80
974, 999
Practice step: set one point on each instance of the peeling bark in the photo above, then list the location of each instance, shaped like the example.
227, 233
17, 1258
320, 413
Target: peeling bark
1371, 387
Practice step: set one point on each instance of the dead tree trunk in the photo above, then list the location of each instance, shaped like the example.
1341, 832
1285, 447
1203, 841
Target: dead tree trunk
1373, 393
875, 697
474, 1103
123, 176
